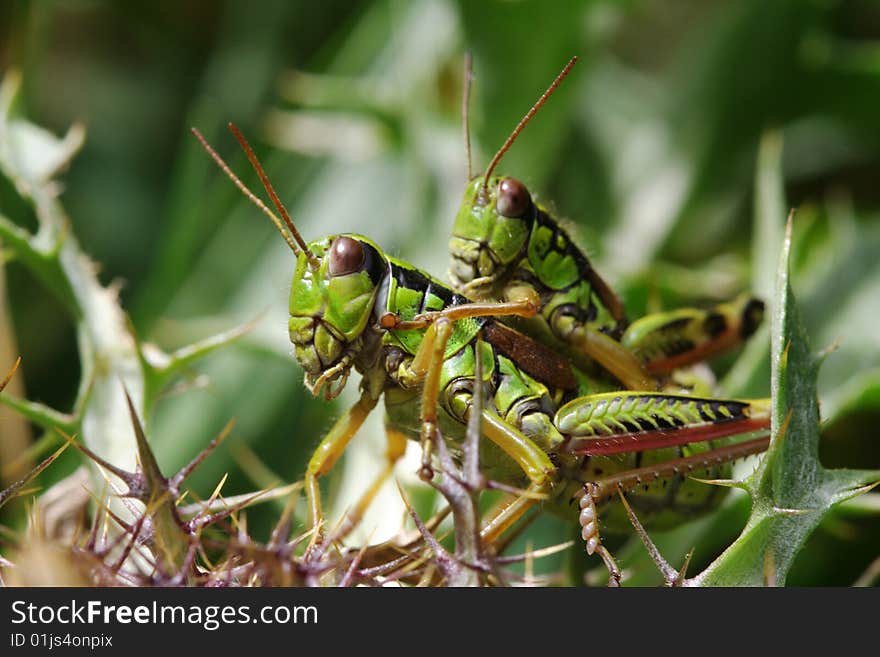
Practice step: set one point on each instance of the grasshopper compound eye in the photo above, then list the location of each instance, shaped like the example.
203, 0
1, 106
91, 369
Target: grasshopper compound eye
513, 198
346, 256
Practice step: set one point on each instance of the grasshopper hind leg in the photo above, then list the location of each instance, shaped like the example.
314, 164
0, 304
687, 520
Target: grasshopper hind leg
663, 342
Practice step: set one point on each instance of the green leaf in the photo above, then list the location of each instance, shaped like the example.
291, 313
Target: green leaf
790, 489
748, 377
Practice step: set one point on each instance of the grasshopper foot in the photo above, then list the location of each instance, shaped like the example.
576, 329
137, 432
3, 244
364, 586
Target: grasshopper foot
589, 522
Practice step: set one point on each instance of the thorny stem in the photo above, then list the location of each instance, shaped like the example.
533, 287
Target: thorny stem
671, 576
466, 521
461, 488
469, 545
108, 351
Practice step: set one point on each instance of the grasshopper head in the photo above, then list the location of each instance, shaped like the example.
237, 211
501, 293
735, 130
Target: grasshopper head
331, 304
490, 234
334, 286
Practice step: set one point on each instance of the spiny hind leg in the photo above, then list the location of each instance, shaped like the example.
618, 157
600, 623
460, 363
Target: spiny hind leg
635, 421
665, 341
591, 494
605, 487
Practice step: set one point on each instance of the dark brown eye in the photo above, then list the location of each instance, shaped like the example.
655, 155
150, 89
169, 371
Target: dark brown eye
346, 256
513, 198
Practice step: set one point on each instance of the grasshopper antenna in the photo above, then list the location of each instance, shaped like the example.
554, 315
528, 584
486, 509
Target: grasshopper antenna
246, 147
522, 124
244, 190
465, 109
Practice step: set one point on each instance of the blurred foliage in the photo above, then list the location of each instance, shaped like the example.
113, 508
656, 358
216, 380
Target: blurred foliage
651, 148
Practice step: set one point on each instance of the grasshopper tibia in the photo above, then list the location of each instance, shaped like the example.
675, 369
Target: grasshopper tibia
595, 492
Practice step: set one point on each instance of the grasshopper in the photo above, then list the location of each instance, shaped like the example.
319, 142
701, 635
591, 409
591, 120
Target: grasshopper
506, 247
416, 342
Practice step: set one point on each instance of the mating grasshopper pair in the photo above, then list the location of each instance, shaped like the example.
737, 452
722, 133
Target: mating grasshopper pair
580, 407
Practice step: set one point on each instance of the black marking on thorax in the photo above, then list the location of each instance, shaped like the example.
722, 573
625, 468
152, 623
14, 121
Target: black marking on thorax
414, 279
374, 262
570, 249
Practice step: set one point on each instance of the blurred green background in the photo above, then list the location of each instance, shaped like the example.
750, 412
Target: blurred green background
650, 149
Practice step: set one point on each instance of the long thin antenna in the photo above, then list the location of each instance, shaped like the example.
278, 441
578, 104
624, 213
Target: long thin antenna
465, 109
244, 190
528, 117
313, 261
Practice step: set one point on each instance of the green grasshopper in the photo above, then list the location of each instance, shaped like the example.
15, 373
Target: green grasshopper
505, 247
416, 342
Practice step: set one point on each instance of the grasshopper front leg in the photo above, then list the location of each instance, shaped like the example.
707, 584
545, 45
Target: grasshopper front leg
328, 452
531, 459
524, 308
609, 353
426, 367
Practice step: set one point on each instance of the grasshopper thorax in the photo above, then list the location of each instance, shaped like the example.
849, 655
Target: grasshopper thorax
490, 234
331, 306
